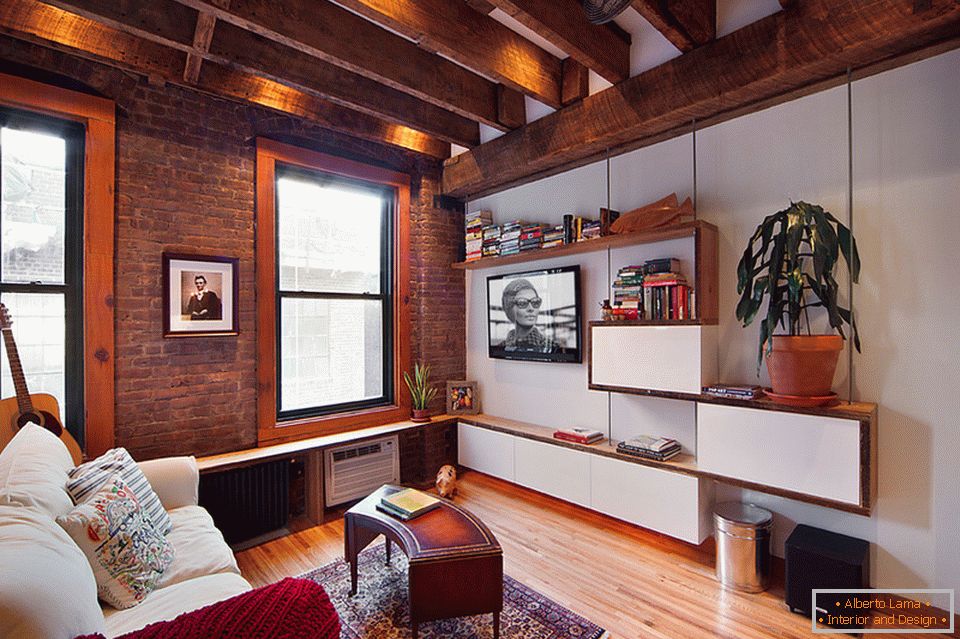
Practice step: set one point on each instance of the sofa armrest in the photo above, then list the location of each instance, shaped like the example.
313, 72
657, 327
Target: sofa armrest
176, 480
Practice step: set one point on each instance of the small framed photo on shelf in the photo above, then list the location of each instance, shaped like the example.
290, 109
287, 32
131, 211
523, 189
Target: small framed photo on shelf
200, 295
463, 398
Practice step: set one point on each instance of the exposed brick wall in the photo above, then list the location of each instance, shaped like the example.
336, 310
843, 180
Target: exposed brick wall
185, 183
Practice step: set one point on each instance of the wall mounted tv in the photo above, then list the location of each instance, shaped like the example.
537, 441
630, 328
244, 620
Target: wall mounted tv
535, 315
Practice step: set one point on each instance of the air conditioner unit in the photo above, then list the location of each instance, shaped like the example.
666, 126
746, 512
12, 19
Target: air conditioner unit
354, 471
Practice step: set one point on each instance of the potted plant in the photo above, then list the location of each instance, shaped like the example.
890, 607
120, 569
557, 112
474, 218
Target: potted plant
420, 391
790, 260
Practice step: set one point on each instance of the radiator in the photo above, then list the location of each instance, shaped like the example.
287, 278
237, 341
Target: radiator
354, 471
248, 502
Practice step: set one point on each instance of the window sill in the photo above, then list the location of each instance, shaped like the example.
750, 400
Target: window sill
331, 424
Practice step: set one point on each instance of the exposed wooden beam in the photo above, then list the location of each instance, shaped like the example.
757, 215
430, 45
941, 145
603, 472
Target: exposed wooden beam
472, 39
342, 38
482, 6
687, 24
780, 57
511, 107
201, 42
256, 55
564, 24
576, 82
53, 27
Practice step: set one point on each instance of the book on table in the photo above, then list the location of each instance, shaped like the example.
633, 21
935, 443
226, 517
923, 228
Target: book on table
578, 435
408, 503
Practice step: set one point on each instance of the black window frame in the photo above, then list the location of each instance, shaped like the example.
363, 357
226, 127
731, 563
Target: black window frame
74, 134
385, 296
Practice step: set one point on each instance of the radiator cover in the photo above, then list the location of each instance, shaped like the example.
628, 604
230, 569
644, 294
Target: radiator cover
248, 502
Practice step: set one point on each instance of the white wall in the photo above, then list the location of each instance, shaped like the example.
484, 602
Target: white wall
907, 187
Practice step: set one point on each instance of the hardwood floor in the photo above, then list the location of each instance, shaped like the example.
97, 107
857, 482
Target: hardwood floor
631, 581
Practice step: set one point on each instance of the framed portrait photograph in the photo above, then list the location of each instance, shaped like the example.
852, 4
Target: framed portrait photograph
200, 295
462, 398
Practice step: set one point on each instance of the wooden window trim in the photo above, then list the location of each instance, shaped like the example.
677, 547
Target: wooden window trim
269, 430
97, 115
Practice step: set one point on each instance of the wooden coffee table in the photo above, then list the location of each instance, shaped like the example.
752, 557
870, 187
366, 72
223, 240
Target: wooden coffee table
456, 564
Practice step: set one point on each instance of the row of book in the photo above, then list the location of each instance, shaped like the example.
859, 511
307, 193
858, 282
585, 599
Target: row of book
654, 290
486, 239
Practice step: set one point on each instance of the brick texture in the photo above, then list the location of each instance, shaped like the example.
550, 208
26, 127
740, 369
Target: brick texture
185, 183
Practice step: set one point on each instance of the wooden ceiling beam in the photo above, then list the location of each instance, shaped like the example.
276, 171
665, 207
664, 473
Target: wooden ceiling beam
342, 38
201, 42
687, 24
256, 55
53, 27
780, 57
455, 30
563, 23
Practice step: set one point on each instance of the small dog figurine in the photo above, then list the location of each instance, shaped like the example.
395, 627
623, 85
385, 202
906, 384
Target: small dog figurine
447, 481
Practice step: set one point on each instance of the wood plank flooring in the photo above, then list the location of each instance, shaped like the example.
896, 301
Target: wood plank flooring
635, 583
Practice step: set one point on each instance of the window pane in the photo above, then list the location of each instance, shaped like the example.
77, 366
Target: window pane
329, 237
33, 201
40, 333
331, 352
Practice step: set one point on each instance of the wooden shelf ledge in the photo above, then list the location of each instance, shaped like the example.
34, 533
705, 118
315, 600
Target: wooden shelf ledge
687, 229
682, 463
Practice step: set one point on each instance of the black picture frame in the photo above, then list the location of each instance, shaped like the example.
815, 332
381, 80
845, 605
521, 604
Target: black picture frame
221, 278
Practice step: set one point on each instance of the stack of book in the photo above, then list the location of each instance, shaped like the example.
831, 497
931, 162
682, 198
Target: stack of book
734, 391
553, 236
658, 448
407, 504
628, 293
531, 236
491, 240
589, 230
510, 237
578, 435
474, 223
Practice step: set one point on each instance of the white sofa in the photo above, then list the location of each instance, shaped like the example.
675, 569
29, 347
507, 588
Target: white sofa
47, 588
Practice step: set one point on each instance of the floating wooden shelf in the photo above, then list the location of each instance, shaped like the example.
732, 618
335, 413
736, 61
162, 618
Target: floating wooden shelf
645, 322
687, 229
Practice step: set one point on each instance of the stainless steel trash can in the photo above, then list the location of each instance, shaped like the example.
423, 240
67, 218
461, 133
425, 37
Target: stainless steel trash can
743, 546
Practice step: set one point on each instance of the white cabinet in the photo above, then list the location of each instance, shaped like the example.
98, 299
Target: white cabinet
555, 470
486, 450
811, 454
680, 359
671, 503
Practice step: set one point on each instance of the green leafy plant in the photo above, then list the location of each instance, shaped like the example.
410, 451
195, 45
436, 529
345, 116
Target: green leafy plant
420, 390
793, 252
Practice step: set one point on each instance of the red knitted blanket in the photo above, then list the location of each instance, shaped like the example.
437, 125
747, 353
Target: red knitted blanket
288, 609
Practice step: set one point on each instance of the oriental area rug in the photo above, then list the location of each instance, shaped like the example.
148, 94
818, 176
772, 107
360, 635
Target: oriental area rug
379, 609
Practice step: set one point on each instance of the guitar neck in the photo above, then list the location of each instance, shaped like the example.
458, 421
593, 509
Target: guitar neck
24, 402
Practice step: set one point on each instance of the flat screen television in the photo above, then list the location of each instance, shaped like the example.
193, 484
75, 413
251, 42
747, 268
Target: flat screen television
535, 315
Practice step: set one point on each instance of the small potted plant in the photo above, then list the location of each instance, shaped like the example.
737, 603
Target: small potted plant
790, 260
420, 391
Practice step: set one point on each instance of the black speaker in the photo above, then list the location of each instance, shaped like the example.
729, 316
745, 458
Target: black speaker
817, 558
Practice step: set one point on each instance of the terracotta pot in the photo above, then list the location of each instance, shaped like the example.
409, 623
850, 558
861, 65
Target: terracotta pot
803, 364
421, 416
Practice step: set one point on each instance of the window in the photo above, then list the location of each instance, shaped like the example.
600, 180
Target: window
332, 302
86, 128
335, 289
41, 257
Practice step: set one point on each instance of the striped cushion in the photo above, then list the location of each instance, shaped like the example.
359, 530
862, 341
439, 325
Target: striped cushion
86, 479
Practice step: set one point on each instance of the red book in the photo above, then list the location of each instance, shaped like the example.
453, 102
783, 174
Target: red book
578, 435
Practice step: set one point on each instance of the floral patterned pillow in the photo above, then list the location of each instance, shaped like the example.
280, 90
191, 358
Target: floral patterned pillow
126, 551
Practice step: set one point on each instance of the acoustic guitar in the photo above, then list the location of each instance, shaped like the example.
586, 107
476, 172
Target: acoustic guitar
41, 409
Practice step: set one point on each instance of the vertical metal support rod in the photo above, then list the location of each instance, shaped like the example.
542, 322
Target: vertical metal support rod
610, 293
695, 209
850, 221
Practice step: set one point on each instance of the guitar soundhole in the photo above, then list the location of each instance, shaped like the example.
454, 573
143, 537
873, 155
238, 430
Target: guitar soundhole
44, 419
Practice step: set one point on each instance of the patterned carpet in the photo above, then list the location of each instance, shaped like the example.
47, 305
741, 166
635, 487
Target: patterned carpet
379, 609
